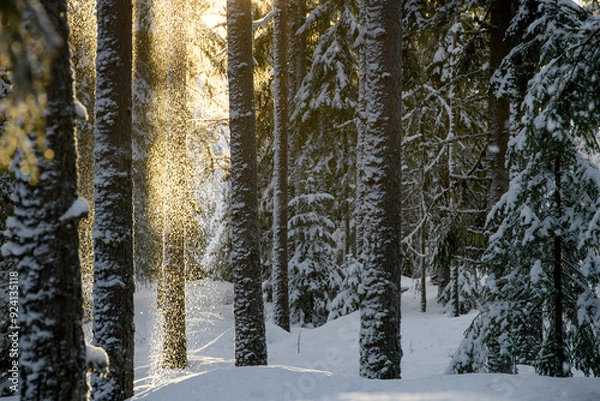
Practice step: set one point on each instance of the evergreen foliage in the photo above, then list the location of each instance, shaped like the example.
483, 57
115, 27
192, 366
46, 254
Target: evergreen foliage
543, 261
314, 274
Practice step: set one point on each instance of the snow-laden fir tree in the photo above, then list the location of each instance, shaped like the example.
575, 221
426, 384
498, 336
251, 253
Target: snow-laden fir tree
114, 285
543, 306
323, 112
250, 337
347, 299
314, 273
44, 240
379, 189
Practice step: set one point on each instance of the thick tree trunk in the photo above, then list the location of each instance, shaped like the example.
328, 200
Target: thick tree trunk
250, 341
174, 313
281, 310
113, 225
44, 241
380, 186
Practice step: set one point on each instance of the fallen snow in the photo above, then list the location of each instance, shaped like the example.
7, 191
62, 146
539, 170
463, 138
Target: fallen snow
322, 363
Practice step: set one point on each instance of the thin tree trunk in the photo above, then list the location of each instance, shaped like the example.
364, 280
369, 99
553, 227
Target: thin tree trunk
174, 313
281, 310
44, 241
499, 124
423, 267
498, 109
113, 225
250, 340
558, 346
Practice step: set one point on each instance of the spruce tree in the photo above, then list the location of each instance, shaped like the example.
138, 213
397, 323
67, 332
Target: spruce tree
542, 300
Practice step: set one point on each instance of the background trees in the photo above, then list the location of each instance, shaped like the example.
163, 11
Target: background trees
468, 73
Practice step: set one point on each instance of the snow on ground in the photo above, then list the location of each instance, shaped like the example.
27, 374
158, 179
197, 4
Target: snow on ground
322, 363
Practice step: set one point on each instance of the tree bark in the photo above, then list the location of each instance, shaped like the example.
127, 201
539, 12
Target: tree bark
250, 340
113, 225
380, 186
558, 341
280, 171
44, 241
498, 109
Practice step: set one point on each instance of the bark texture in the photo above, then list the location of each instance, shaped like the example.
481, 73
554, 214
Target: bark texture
113, 224
380, 189
44, 241
250, 341
281, 306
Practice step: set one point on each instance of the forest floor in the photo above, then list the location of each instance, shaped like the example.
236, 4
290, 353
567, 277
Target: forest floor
322, 363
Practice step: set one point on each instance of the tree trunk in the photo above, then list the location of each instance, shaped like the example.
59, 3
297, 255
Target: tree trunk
498, 109
44, 241
499, 125
82, 37
250, 340
380, 186
280, 171
558, 343
174, 314
113, 225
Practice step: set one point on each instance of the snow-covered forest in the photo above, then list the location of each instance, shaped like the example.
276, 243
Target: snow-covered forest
297, 197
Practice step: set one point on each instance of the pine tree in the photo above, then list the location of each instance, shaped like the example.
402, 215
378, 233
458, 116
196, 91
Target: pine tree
380, 186
250, 340
114, 285
44, 241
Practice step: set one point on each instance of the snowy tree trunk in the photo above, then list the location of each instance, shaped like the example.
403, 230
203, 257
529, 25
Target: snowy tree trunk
250, 341
113, 225
174, 314
380, 184
360, 135
281, 310
498, 109
44, 241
